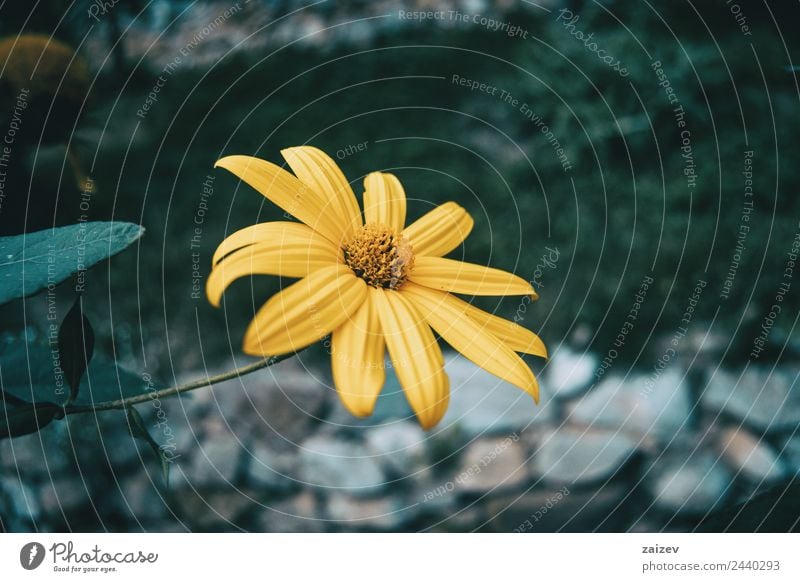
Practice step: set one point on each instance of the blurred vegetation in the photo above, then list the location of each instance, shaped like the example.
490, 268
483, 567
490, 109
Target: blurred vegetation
621, 212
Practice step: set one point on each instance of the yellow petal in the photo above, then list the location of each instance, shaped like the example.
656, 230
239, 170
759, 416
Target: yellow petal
446, 316
270, 232
461, 277
285, 248
439, 231
384, 200
515, 336
357, 355
285, 191
305, 312
416, 357
319, 172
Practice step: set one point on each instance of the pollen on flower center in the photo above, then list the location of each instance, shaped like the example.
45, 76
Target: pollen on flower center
379, 255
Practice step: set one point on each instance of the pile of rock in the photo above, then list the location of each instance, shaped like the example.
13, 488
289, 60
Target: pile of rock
275, 451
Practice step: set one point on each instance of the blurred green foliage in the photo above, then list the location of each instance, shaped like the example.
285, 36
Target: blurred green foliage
622, 211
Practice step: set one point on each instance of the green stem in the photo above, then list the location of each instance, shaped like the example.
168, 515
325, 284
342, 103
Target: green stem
173, 390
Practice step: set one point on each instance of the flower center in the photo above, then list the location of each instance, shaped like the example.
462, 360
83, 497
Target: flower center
379, 255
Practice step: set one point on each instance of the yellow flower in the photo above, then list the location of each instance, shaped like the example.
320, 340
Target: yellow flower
371, 282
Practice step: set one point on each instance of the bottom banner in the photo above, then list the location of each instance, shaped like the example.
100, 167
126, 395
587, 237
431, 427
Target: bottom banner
354, 557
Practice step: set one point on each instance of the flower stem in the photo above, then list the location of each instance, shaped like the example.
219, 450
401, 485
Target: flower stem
173, 390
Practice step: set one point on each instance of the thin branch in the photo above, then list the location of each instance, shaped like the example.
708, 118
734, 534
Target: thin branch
172, 391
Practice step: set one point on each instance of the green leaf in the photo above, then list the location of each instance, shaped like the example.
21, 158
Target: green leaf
139, 430
20, 420
30, 262
75, 346
35, 374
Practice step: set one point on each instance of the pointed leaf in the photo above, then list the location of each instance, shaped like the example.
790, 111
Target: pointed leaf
75, 346
32, 261
20, 420
139, 430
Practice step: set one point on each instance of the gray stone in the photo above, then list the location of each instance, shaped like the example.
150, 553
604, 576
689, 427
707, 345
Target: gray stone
332, 463
790, 454
281, 403
284, 404
400, 446
62, 494
749, 455
482, 404
384, 513
298, 514
763, 398
491, 465
690, 483
270, 469
569, 373
644, 406
559, 510
19, 506
143, 498
213, 464
572, 455
37, 456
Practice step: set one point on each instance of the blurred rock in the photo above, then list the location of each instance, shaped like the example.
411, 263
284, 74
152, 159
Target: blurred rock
296, 514
572, 455
385, 513
790, 454
689, 483
271, 470
19, 507
763, 398
562, 510
492, 464
37, 456
281, 403
640, 405
62, 494
481, 404
213, 464
749, 455
143, 498
332, 463
569, 373
223, 510
400, 446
